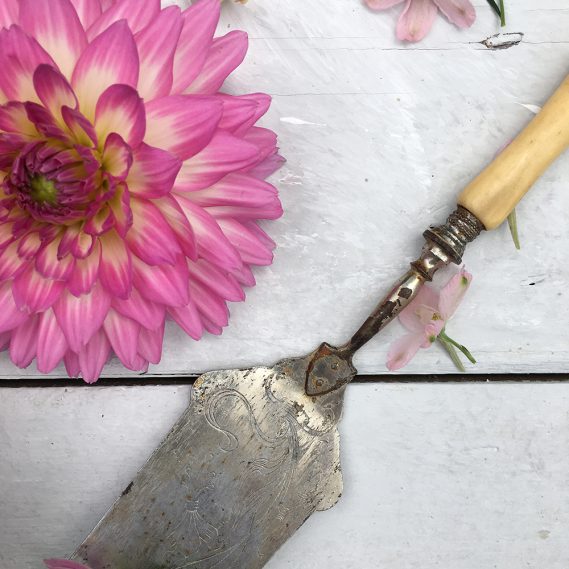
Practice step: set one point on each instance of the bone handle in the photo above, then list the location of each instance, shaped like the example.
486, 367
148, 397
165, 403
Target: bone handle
494, 193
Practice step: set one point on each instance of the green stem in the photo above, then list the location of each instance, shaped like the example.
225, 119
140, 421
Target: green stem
463, 349
513, 225
502, 13
452, 353
495, 7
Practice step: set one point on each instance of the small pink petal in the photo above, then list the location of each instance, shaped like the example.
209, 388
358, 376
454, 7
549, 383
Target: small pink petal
264, 139
117, 156
416, 20
79, 127
150, 344
251, 249
267, 167
101, 222
29, 245
53, 90
153, 172
80, 317
200, 21
10, 315
220, 282
14, 118
401, 352
50, 265
156, 47
115, 269
23, 345
150, 237
94, 356
88, 11
225, 153
460, 12
122, 333
453, 292
8, 13
420, 311
182, 124
120, 205
20, 56
225, 55
35, 293
52, 345
120, 110
10, 263
85, 272
147, 313
211, 242
244, 276
163, 284
188, 319
73, 369
210, 306
57, 27
179, 224
110, 58
382, 4
241, 113
137, 14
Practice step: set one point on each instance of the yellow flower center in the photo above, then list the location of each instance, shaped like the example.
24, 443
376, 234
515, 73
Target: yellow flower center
43, 190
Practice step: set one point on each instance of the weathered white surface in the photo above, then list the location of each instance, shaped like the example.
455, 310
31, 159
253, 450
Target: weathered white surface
380, 137
464, 476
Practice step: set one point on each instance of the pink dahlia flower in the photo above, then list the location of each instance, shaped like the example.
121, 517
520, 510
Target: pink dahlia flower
418, 16
131, 186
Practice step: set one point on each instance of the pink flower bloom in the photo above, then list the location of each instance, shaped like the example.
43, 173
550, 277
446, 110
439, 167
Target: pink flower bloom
131, 187
418, 16
63, 564
426, 317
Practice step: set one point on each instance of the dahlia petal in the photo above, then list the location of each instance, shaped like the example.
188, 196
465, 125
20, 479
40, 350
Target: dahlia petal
122, 333
267, 167
121, 210
147, 313
94, 356
156, 48
150, 237
23, 345
72, 367
50, 265
120, 110
8, 13
179, 224
153, 172
35, 293
200, 21
69, 234
85, 272
53, 90
264, 139
44, 122
260, 234
212, 244
220, 282
241, 113
10, 264
79, 127
137, 14
460, 12
56, 25
52, 345
117, 156
244, 275
81, 316
14, 118
182, 124
150, 344
225, 153
10, 315
210, 327
382, 4
82, 245
211, 306
28, 245
115, 269
164, 284
226, 54
111, 58
188, 319
416, 20
88, 11
20, 55
101, 222
252, 250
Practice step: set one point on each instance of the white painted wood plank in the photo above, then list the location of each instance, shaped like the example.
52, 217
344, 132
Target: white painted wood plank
436, 475
382, 138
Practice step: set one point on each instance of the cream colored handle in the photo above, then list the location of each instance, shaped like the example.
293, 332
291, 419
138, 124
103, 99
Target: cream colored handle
494, 193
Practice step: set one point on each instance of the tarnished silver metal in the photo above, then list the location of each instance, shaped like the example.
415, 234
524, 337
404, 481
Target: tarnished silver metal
257, 451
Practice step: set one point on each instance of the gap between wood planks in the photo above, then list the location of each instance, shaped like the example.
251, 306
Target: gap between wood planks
375, 379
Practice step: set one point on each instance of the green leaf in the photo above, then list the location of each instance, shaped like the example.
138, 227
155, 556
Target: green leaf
453, 354
513, 225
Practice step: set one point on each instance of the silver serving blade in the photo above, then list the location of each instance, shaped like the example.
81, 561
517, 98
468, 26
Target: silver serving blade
255, 453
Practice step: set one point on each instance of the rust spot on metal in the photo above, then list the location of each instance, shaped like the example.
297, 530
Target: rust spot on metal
127, 489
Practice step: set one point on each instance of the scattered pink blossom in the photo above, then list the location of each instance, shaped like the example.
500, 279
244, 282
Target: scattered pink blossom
418, 16
63, 564
130, 185
426, 318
